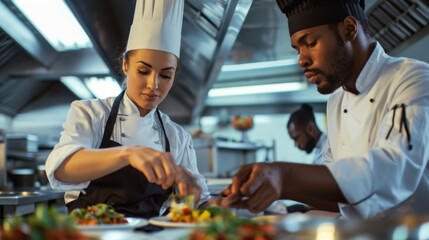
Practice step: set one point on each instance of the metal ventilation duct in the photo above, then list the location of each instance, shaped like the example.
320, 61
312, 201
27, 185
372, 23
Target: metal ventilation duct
393, 22
8, 48
207, 14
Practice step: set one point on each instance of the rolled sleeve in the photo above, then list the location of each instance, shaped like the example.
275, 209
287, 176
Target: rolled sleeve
78, 132
55, 159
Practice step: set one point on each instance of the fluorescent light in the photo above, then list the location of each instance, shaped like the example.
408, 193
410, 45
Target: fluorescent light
257, 89
259, 65
77, 87
57, 24
103, 87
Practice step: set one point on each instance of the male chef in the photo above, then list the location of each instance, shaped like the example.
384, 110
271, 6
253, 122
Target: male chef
303, 130
377, 122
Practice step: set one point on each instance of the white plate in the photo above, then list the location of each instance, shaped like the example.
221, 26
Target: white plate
164, 221
131, 225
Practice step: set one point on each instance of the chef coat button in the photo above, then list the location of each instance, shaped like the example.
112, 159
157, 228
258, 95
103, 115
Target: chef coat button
123, 135
155, 127
122, 118
371, 100
157, 142
345, 111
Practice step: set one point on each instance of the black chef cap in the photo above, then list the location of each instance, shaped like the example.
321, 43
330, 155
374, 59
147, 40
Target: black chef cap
304, 14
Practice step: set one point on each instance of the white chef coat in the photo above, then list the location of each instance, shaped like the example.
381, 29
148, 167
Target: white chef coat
318, 150
84, 128
381, 177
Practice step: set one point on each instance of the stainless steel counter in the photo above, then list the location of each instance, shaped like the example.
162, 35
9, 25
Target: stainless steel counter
26, 197
20, 201
243, 146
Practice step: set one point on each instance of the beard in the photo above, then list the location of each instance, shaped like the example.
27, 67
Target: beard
340, 71
311, 144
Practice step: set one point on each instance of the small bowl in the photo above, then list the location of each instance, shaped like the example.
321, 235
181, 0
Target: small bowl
242, 123
23, 177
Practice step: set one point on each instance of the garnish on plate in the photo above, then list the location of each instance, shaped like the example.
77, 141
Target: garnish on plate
98, 214
234, 228
45, 223
182, 210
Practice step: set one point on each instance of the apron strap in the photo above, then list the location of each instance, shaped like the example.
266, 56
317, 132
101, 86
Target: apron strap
167, 143
112, 119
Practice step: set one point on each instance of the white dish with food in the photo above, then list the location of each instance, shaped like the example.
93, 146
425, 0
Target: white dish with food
165, 221
132, 224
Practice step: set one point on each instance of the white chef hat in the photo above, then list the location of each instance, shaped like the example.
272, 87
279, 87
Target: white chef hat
157, 25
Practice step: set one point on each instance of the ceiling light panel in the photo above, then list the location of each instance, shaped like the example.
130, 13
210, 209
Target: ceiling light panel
103, 87
55, 22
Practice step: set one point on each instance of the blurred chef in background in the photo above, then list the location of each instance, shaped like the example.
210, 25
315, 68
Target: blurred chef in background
124, 151
376, 157
303, 130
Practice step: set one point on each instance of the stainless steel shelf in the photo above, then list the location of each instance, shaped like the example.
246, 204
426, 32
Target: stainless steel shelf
28, 197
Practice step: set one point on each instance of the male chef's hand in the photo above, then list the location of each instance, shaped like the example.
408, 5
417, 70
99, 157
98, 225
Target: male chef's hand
255, 187
158, 167
187, 184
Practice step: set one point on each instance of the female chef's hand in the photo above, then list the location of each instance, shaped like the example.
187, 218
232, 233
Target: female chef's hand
187, 184
158, 167
255, 187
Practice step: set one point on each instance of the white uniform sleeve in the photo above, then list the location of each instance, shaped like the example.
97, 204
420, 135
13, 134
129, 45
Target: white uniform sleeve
189, 161
327, 153
391, 172
78, 132
319, 150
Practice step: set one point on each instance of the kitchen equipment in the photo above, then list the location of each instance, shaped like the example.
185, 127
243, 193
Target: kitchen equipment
217, 158
41, 175
206, 153
24, 201
242, 124
23, 177
22, 142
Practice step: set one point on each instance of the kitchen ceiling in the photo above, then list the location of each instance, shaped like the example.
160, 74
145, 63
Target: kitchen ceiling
215, 33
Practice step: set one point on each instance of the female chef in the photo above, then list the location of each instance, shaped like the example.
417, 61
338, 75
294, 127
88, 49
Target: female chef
123, 151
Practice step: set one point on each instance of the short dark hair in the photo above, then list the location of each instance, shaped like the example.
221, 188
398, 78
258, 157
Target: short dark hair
365, 28
302, 116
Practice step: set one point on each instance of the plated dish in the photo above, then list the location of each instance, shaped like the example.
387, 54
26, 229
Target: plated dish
131, 224
165, 221
99, 214
185, 212
233, 228
44, 223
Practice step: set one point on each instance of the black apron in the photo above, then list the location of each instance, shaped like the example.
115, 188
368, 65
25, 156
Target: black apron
126, 190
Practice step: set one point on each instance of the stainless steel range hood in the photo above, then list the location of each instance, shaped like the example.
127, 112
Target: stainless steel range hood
214, 32
210, 29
